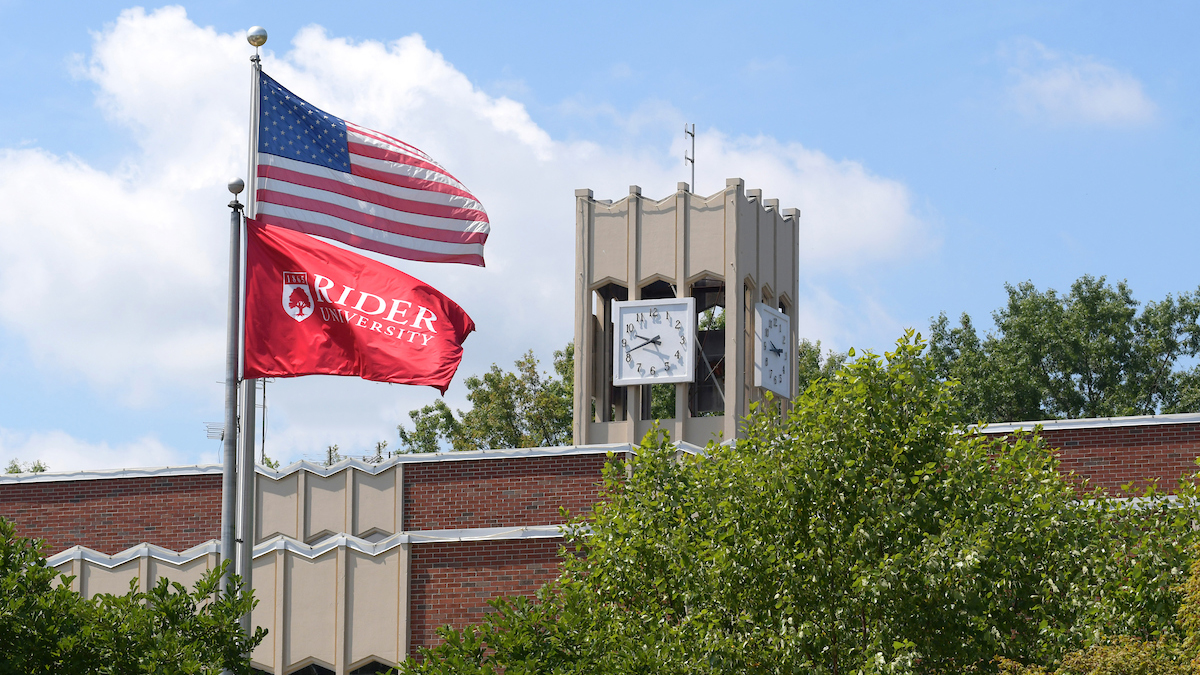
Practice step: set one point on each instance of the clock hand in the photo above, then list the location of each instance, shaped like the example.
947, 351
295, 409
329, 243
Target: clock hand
647, 342
776, 350
656, 340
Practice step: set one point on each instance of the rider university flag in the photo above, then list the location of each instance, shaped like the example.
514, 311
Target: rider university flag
313, 308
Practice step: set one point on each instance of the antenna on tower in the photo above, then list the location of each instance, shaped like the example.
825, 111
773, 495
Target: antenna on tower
690, 133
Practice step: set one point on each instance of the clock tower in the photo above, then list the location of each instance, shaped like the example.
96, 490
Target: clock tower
684, 312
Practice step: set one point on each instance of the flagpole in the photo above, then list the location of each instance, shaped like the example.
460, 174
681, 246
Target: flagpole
230, 437
244, 518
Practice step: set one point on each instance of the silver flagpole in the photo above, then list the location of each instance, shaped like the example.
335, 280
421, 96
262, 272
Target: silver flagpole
228, 489
246, 476
256, 36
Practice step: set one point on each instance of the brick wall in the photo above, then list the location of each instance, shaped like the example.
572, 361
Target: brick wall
1109, 457
499, 493
111, 515
452, 582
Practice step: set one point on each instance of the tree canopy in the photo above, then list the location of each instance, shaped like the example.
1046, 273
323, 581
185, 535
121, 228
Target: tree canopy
1088, 353
866, 532
520, 409
47, 628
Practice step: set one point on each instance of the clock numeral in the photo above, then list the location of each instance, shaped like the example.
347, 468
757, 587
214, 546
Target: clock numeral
641, 318
629, 358
678, 356
668, 317
653, 312
651, 370
678, 323
624, 342
666, 365
629, 328
639, 366
682, 340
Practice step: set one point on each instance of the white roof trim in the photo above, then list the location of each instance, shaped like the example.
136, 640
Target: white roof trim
106, 474
448, 456
142, 550
326, 471
321, 469
1093, 423
282, 543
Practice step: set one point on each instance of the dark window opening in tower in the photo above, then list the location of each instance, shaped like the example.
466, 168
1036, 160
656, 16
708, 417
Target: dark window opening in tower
708, 393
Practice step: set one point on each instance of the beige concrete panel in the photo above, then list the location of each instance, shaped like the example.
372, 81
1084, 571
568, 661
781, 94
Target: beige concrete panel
375, 502
372, 615
606, 432
265, 613
325, 504
656, 252
706, 239
785, 257
609, 237
747, 245
67, 567
187, 574
767, 227
275, 512
95, 579
701, 430
309, 609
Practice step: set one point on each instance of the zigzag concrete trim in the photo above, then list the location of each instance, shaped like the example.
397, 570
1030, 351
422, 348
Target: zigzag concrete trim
326, 471
452, 456
282, 543
142, 550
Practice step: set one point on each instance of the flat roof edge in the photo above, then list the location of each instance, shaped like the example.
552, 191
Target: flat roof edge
107, 474
326, 471
1093, 423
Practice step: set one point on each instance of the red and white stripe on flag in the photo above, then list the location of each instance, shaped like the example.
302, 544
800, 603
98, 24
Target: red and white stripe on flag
318, 174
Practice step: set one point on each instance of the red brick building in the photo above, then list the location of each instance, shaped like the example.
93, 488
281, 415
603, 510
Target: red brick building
356, 565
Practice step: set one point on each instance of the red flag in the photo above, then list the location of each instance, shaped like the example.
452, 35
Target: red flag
316, 309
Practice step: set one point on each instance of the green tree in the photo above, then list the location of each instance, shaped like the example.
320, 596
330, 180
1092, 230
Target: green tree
15, 466
519, 409
1088, 353
866, 532
812, 366
47, 628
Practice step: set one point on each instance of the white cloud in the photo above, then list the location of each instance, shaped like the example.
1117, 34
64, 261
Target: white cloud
118, 276
60, 451
1069, 88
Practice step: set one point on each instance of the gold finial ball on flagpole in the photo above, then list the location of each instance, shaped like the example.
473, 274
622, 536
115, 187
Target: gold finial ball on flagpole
257, 36
236, 186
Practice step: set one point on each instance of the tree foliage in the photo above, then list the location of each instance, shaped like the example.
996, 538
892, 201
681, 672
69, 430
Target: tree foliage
1088, 353
47, 628
866, 532
520, 409
15, 466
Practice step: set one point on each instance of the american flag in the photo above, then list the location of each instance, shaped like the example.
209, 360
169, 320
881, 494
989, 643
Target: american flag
319, 174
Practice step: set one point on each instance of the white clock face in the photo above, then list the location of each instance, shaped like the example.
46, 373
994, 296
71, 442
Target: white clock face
654, 341
773, 350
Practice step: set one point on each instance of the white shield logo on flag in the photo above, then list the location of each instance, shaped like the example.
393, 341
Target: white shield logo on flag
297, 300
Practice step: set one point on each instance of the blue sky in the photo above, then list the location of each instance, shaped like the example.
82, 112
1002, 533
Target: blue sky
936, 150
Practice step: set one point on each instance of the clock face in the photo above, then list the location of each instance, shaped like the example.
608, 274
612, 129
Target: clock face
773, 356
654, 341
